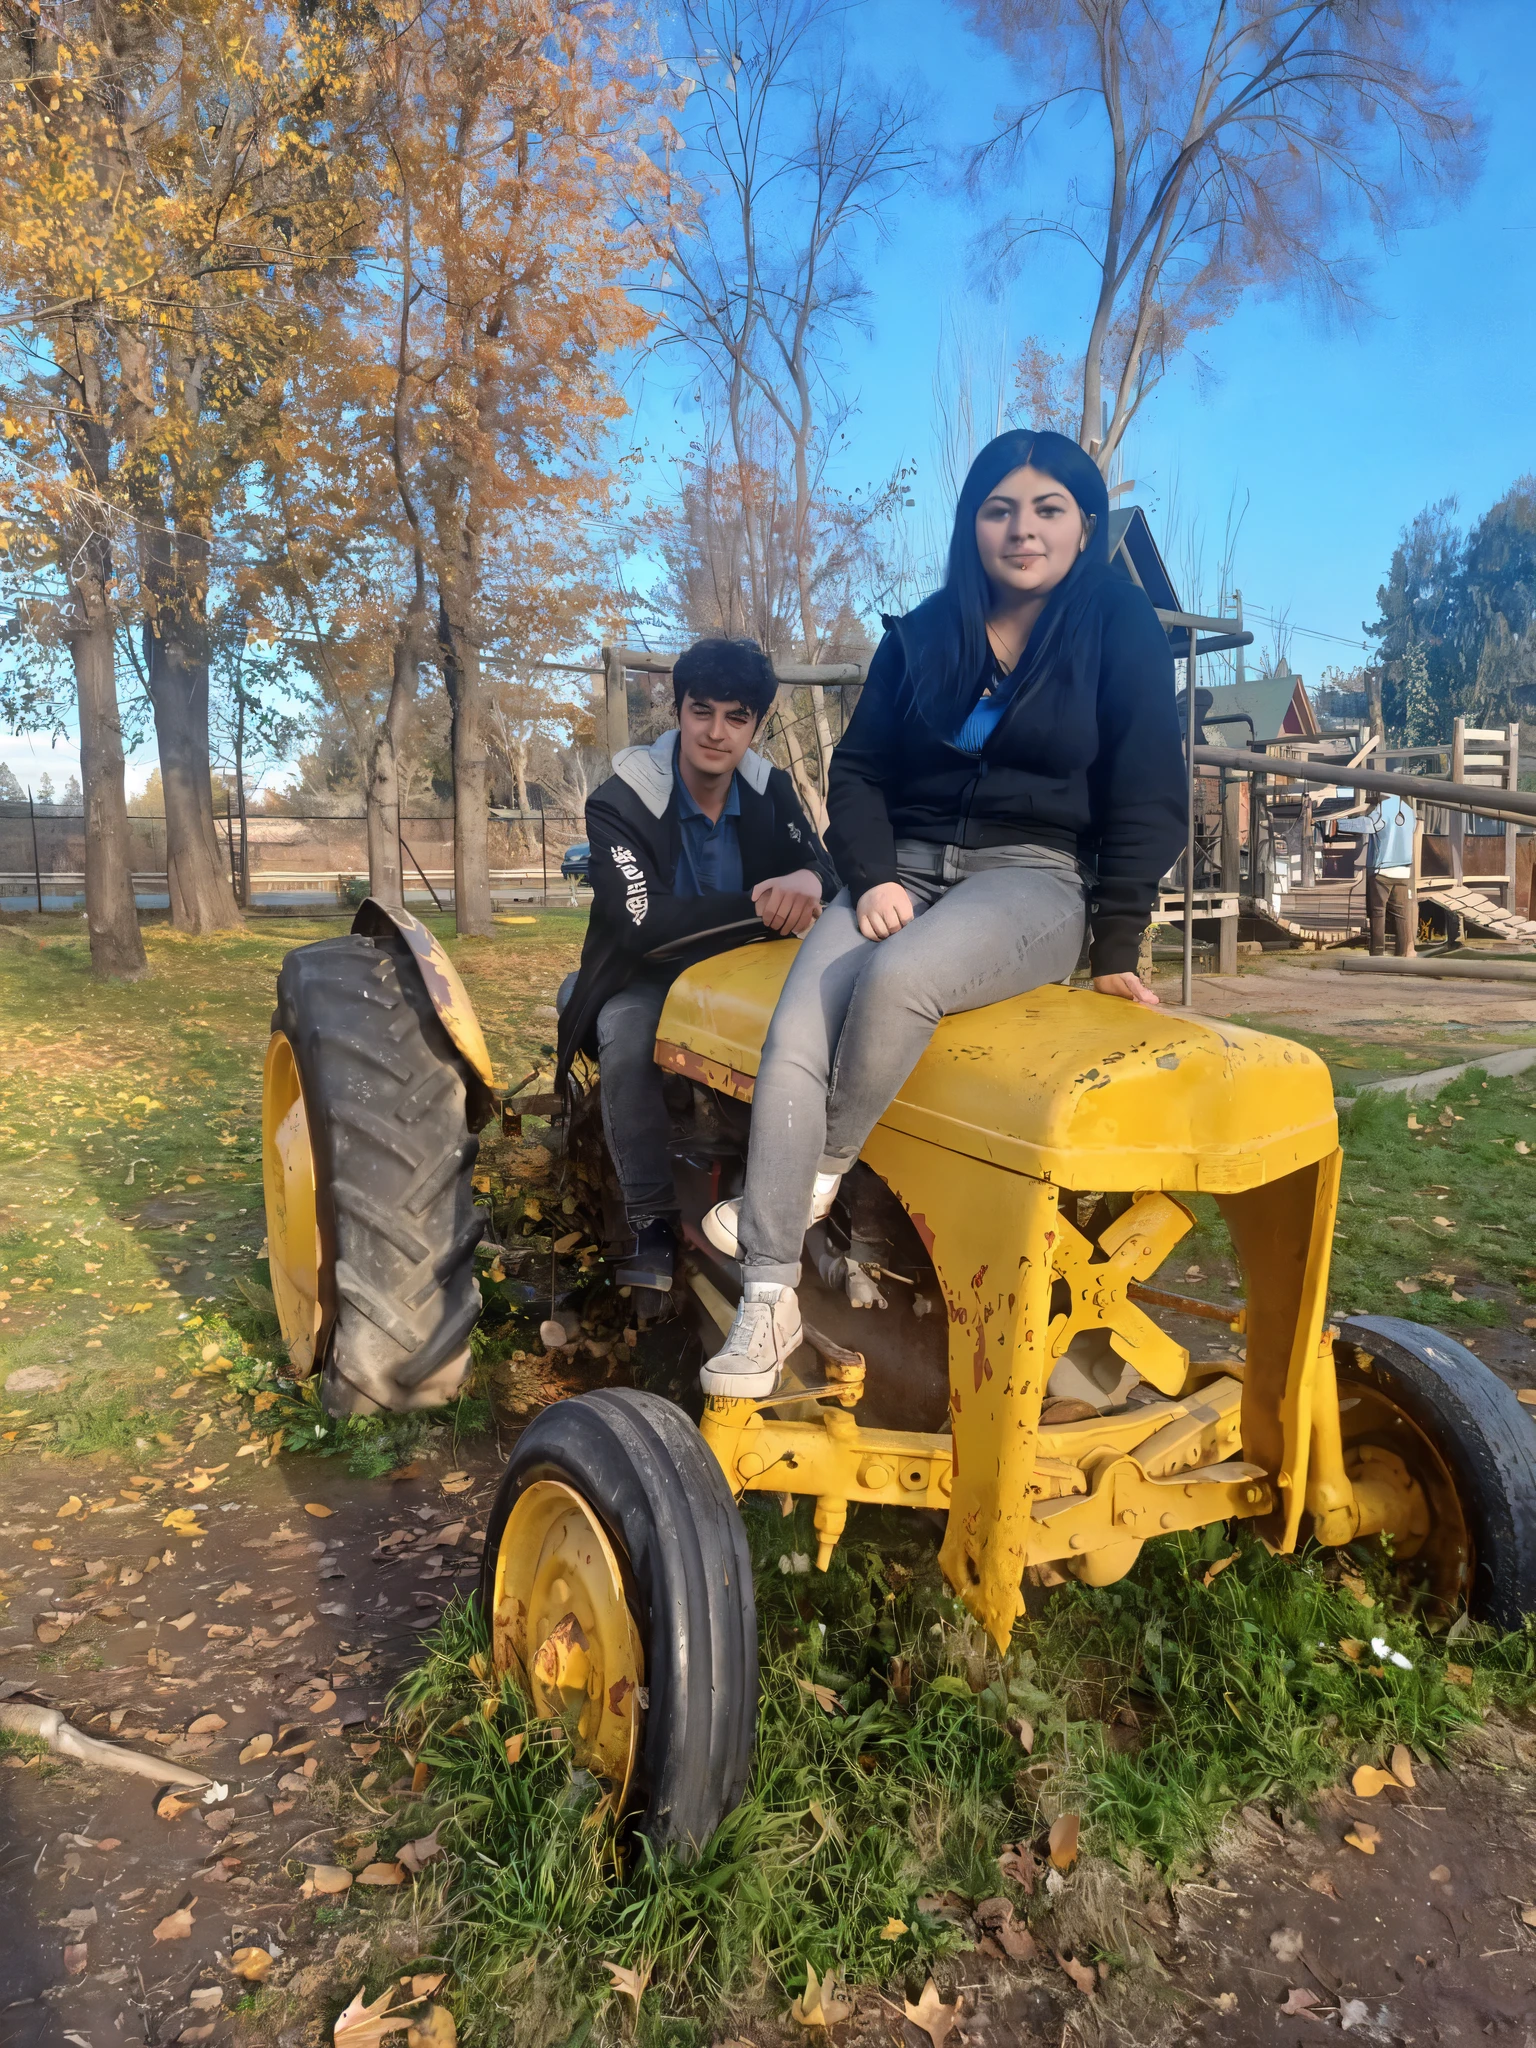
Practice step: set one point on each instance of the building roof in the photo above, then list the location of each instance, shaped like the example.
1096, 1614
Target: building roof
1133, 553
1278, 704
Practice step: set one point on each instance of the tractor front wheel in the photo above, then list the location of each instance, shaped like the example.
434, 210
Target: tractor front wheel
618, 1589
1420, 1412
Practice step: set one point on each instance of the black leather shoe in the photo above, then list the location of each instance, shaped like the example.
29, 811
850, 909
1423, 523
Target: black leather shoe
650, 1258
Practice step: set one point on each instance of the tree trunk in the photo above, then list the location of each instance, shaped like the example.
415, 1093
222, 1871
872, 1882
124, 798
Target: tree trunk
117, 946
386, 877
201, 898
471, 846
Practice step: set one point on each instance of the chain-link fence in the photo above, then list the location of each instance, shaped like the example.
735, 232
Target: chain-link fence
284, 864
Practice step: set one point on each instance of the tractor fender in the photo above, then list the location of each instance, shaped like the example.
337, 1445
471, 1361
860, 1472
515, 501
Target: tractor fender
439, 977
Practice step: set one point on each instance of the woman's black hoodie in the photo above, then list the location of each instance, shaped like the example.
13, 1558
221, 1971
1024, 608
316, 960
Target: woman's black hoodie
1087, 758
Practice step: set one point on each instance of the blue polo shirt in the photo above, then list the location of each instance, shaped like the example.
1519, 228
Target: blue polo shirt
709, 856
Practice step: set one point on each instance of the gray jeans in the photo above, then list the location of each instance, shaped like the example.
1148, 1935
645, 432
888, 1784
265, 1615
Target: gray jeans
856, 1015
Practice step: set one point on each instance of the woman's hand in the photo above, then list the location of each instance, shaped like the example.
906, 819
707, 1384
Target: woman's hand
882, 911
1130, 986
789, 904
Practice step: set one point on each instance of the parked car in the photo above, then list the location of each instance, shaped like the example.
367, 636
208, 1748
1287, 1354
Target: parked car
575, 861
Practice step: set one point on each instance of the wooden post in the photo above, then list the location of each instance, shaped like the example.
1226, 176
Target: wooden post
1308, 850
1511, 832
1413, 879
1187, 993
37, 866
616, 696
1458, 819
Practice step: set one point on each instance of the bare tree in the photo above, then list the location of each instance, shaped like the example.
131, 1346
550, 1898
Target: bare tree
801, 159
1240, 142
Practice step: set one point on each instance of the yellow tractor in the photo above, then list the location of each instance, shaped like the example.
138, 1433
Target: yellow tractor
1022, 1370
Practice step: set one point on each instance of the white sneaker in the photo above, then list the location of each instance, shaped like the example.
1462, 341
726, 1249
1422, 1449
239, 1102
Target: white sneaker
723, 1222
766, 1331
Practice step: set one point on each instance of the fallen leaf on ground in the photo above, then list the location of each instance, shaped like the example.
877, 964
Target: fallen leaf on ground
1354, 2012
175, 1926
258, 1746
1352, 1648
382, 1873
71, 1507
421, 1778
182, 1520
1528, 1916
329, 1877
629, 1983
515, 1747
1406, 1286
1353, 1584
1300, 2001
1441, 1874
1219, 1567
364, 1751
823, 1695
818, 2005
1226, 2001
418, 1854
319, 1510
1364, 1837
76, 1956
424, 1986
1459, 1674
434, 2029
893, 1930
1286, 1944
252, 1964
323, 1702
169, 1807
999, 1919
1065, 1830
937, 2020
364, 2026
1368, 1781
238, 1591
207, 1724
1018, 1862
1320, 1881
1402, 1766
183, 1620
457, 1482
1025, 1731
1083, 1975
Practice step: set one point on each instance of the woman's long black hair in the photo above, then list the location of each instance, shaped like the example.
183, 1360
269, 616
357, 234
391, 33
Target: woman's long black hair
946, 636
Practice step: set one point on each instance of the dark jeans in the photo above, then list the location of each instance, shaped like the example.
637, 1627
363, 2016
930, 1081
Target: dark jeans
1386, 895
634, 1114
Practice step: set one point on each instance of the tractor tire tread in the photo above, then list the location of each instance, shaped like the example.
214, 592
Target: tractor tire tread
385, 1093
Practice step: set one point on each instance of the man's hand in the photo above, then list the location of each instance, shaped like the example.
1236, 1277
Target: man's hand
789, 904
1130, 986
882, 911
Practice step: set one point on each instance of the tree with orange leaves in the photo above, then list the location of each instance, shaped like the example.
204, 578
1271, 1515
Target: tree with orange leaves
511, 137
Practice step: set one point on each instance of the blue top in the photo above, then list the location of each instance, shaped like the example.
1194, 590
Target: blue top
709, 855
986, 711
1388, 827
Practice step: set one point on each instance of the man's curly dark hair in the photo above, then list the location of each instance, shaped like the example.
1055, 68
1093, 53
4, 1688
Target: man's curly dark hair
725, 672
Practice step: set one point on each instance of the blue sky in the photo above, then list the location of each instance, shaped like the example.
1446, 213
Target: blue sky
1334, 438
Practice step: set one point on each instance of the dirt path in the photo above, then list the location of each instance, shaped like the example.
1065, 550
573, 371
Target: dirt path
280, 1622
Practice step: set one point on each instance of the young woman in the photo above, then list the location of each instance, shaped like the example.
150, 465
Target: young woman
1012, 773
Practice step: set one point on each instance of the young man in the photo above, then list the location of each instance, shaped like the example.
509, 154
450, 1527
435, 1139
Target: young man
689, 835
1388, 830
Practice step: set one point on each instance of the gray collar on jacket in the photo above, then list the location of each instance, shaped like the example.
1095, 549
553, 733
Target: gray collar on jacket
648, 771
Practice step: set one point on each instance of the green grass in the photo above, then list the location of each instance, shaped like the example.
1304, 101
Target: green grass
1239, 1688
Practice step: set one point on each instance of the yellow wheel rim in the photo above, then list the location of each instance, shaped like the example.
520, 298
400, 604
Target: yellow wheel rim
1382, 1443
562, 1625
288, 1174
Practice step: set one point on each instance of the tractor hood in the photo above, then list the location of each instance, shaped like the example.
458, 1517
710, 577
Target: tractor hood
1080, 1089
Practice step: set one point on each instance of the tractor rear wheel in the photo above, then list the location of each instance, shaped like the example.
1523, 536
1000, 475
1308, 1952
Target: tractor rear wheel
618, 1589
1410, 1397
368, 1158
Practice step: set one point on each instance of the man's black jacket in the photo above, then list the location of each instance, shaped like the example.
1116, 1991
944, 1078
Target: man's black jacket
635, 839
